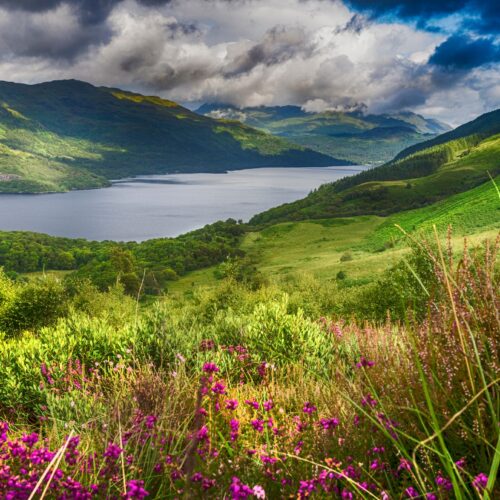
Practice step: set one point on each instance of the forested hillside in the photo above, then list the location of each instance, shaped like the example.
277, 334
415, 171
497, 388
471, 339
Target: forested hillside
66, 135
354, 136
447, 166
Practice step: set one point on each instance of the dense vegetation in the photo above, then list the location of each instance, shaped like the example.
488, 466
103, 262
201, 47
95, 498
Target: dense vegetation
415, 180
353, 136
146, 266
251, 393
67, 135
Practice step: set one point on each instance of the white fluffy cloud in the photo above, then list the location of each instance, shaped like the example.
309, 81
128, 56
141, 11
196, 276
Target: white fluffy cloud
314, 53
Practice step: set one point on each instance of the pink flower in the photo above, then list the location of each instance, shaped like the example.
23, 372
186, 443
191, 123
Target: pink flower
364, 363
239, 490
268, 405
258, 491
257, 424
202, 434
135, 490
219, 388
251, 403
231, 404
210, 368
328, 423
480, 481
309, 408
411, 492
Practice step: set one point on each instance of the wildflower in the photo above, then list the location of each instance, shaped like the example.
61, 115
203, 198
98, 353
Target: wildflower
460, 463
150, 421
30, 439
328, 423
369, 401
202, 434
347, 495
180, 357
231, 404
210, 368
135, 490
309, 408
235, 426
251, 403
298, 447
411, 492
207, 483
443, 482
219, 388
480, 481
197, 477
404, 464
356, 420
268, 405
431, 496
112, 451
384, 495
4, 429
257, 424
258, 491
239, 490
364, 363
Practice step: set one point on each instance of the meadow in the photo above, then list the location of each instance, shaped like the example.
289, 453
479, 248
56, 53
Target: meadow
253, 390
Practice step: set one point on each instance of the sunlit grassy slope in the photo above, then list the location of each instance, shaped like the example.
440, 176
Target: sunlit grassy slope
68, 135
362, 246
415, 180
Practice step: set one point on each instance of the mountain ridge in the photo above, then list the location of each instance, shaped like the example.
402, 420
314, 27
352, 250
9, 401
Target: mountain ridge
69, 134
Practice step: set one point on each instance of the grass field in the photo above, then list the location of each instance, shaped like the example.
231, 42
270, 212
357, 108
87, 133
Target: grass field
361, 247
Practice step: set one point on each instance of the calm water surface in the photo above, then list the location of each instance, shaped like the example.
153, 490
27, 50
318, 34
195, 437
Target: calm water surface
162, 205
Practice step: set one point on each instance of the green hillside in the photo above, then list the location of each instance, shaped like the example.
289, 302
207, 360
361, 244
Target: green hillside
353, 136
416, 180
66, 135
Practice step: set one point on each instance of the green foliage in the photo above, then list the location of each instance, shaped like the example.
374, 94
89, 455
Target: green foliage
145, 266
31, 305
88, 135
433, 174
349, 137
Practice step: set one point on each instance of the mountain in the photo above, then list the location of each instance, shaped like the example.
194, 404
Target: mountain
354, 136
69, 134
449, 164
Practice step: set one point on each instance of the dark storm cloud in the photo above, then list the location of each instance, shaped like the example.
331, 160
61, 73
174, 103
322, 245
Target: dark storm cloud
89, 11
279, 45
463, 53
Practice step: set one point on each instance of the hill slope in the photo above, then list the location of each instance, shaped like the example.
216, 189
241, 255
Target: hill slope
417, 179
353, 136
68, 134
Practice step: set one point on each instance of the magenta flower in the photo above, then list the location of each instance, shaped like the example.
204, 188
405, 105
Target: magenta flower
268, 405
112, 451
309, 408
328, 423
231, 404
239, 490
364, 363
219, 388
369, 401
257, 424
411, 492
443, 482
404, 464
480, 481
150, 421
135, 490
210, 368
202, 434
235, 426
251, 403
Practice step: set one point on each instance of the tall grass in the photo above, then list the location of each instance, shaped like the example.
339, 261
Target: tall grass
238, 393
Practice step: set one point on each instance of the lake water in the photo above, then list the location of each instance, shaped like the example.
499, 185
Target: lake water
162, 205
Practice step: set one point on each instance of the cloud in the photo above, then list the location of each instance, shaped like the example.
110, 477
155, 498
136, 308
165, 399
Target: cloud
318, 54
463, 53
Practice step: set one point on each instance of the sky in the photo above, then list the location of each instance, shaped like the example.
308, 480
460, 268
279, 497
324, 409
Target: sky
440, 58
